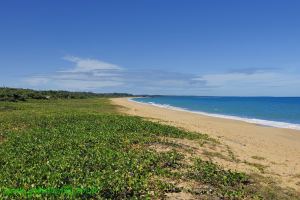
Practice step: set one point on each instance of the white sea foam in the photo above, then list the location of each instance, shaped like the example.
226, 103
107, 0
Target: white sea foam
253, 121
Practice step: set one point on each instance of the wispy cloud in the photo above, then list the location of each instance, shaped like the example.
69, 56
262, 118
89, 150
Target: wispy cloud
253, 70
86, 74
93, 74
252, 82
227, 79
96, 75
89, 65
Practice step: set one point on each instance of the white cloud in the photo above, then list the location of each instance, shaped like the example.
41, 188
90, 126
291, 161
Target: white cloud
261, 83
95, 75
86, 74
259, 78
89, 65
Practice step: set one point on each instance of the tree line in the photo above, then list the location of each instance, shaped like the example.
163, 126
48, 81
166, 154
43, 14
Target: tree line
19, 94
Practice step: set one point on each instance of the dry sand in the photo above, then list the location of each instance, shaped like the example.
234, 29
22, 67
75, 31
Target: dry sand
278, 150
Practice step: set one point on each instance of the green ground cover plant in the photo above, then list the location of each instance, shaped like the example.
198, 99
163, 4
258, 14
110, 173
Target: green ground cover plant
225, 182
85, 149
81, 143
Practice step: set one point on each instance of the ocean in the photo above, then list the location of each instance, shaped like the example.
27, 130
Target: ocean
282, 112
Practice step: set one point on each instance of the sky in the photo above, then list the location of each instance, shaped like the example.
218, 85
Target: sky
170, 47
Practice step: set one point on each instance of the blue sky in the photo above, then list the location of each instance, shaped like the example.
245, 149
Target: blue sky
182, 47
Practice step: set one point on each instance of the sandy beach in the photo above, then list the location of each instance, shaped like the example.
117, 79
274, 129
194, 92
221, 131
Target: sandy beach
276, 150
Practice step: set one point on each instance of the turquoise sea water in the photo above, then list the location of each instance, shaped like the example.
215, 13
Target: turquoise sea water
281, 112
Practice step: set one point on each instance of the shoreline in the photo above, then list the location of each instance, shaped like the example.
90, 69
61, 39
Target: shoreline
261, 122
278, 148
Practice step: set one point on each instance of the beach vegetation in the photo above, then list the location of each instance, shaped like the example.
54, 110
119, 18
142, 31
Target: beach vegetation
18, 94
82, 144
85, 149
225, 183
